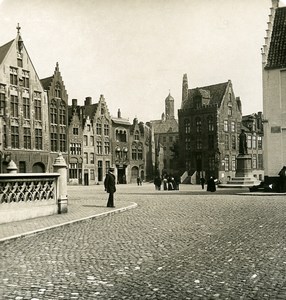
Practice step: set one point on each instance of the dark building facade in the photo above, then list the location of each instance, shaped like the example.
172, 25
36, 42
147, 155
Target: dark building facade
209, 126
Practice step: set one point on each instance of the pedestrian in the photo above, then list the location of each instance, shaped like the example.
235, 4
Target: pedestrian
157, 182
203, 181
211, 185
165, 183
139, 182
109, 185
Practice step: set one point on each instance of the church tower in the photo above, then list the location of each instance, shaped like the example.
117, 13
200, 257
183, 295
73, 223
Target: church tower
169, 107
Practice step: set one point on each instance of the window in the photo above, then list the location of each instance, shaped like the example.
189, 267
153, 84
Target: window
91, 140
98, 128
58, 90
26, 108
26, 79
75, 148
120, 135
136, 136
233, 163
199, 143
254, 161
85, 157
226, 143
99, 147
54, 138
233, 142
38, 139
198, 125
63, 139
88, 127
106, 147
15, 137
62, 112
229, 111
210, 123
19, 62
188, 143
85, 140
187, 126
170, 139
254, 141
249, 142
75, 130
211, 163
225, 125
73, 170
53, 112
226, 164
22, 167
232, 124
13, 76
27, 138
140, 153
2, 104
14, 106
134, 152
106, 129
38, 109
259, 142
92, 158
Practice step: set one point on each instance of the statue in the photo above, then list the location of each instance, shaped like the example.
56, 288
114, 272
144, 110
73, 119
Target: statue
242, 143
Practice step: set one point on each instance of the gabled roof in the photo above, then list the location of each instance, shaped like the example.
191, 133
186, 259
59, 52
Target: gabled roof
277, 49
214, 92
121, 121
4, 50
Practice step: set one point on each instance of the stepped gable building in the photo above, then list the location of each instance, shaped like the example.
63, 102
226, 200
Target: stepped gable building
58, 114
274, 93
166, 135
24, 123
209, 126
90, 141
253, 128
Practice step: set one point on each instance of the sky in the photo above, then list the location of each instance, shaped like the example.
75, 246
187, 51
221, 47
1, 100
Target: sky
135, 52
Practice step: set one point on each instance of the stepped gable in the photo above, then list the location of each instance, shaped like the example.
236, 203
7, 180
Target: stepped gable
277, 50
214, 92
4, 50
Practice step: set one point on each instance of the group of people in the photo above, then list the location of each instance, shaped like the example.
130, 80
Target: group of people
168, 182
211, 186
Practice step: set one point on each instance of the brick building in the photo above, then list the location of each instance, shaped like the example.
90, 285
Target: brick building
209, 126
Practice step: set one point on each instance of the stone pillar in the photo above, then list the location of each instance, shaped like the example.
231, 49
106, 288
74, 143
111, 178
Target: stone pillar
12, 168
61, 168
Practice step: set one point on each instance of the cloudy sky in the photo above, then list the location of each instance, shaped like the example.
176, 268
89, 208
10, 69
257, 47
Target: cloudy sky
135, 51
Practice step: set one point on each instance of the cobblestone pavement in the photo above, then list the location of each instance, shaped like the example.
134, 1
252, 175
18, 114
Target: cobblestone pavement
174, 245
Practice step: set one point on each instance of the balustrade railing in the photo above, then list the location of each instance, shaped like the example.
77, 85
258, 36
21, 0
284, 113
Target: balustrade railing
27, 187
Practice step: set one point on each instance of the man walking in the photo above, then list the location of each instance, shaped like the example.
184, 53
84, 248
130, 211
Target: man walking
109, 184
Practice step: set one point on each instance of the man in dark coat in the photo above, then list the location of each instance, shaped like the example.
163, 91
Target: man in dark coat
109, 184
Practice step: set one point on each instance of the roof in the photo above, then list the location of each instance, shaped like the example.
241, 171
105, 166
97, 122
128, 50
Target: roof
164, 126
214, 92
46, 82
277, 49
121, 121
4, 50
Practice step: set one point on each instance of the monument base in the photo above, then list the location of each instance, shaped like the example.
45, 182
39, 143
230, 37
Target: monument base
243, 176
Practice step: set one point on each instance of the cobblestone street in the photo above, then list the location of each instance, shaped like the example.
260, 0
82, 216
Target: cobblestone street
187, 244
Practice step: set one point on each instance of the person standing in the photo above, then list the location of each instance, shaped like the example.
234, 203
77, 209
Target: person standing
109, 185
203, 181
211, 185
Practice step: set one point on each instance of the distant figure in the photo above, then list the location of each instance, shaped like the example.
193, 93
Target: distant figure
157, 183
211, 185
139, 182
242, 143
203, 181
109, 185
165, 183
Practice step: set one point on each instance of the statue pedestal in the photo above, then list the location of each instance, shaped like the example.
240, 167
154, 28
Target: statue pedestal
243, 176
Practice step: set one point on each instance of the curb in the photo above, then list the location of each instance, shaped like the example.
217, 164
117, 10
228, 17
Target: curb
96, 216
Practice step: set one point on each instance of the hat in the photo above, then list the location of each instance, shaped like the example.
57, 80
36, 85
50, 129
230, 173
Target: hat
111, 169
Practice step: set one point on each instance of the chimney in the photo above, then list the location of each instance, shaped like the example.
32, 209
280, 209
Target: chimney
275, 3
119, 114
88, 101
74, 102
238, 103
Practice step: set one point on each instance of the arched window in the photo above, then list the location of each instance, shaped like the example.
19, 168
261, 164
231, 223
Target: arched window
58, 93
136, 135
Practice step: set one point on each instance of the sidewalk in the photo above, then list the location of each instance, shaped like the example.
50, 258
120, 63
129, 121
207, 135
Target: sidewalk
78, 210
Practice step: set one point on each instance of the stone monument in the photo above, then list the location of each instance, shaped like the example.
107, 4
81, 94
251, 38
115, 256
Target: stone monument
243, 175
